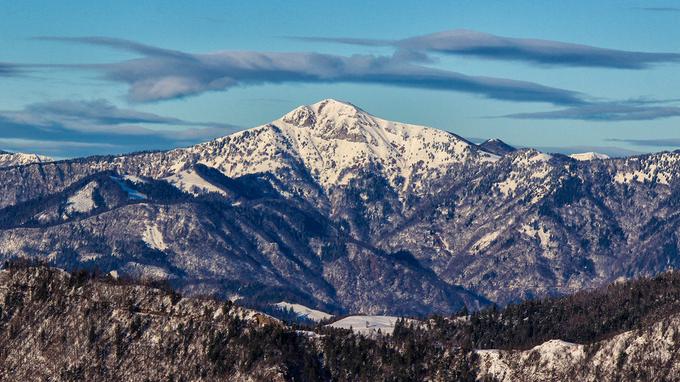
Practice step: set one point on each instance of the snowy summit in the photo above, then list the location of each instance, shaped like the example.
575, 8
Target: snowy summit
333, 140
589, 156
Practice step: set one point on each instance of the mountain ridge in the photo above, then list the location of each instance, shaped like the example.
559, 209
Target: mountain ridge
335, 209
92, 326
8, 159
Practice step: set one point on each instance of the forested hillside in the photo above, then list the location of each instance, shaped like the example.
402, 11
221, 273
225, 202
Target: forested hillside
82, 326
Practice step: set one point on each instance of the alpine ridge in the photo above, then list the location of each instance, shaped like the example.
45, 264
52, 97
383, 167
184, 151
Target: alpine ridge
8, 159
338, 210
333, 141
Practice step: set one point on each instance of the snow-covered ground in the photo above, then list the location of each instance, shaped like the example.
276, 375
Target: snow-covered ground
82, 201
191, 182
334, 140
153, 237
589, 156
15, 159
132, 194
367, 324
547, 358
305, 312
331, 136
650, 352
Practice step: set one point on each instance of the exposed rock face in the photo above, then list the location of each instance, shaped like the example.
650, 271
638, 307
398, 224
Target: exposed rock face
339, 210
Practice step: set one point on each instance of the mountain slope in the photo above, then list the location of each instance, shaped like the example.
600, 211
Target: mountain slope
8, 159
335, 209
72, 327
335, 140
60, 326
235, 241
627, 331
57, 326
648, 354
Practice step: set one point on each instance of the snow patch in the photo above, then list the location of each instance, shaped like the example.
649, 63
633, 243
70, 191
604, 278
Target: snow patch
542, 234
485, 241
642, 177
529, 158
588, 156
507, 187
132, 193
146, 272
83, 200
543, 359
368, 324
154, 238
191, 182
17, 159
305, 312
135, 179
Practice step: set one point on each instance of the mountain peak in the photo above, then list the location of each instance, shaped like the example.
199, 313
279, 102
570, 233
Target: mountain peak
328, 107
332, 119
496, 146
336, 106
335, 141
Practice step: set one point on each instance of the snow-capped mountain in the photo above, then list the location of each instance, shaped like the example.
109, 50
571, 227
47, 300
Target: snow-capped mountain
589, 156
8, 159
336, 140
335, 209
497, 147
333, 141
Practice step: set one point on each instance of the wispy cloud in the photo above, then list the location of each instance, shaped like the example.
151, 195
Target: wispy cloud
39, 145
117, 43
95, 113
7, 69
346, 40
542, 52
73, 128
162, 74
607, 112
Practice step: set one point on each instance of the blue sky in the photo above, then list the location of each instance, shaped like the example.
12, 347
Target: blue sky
82, 77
